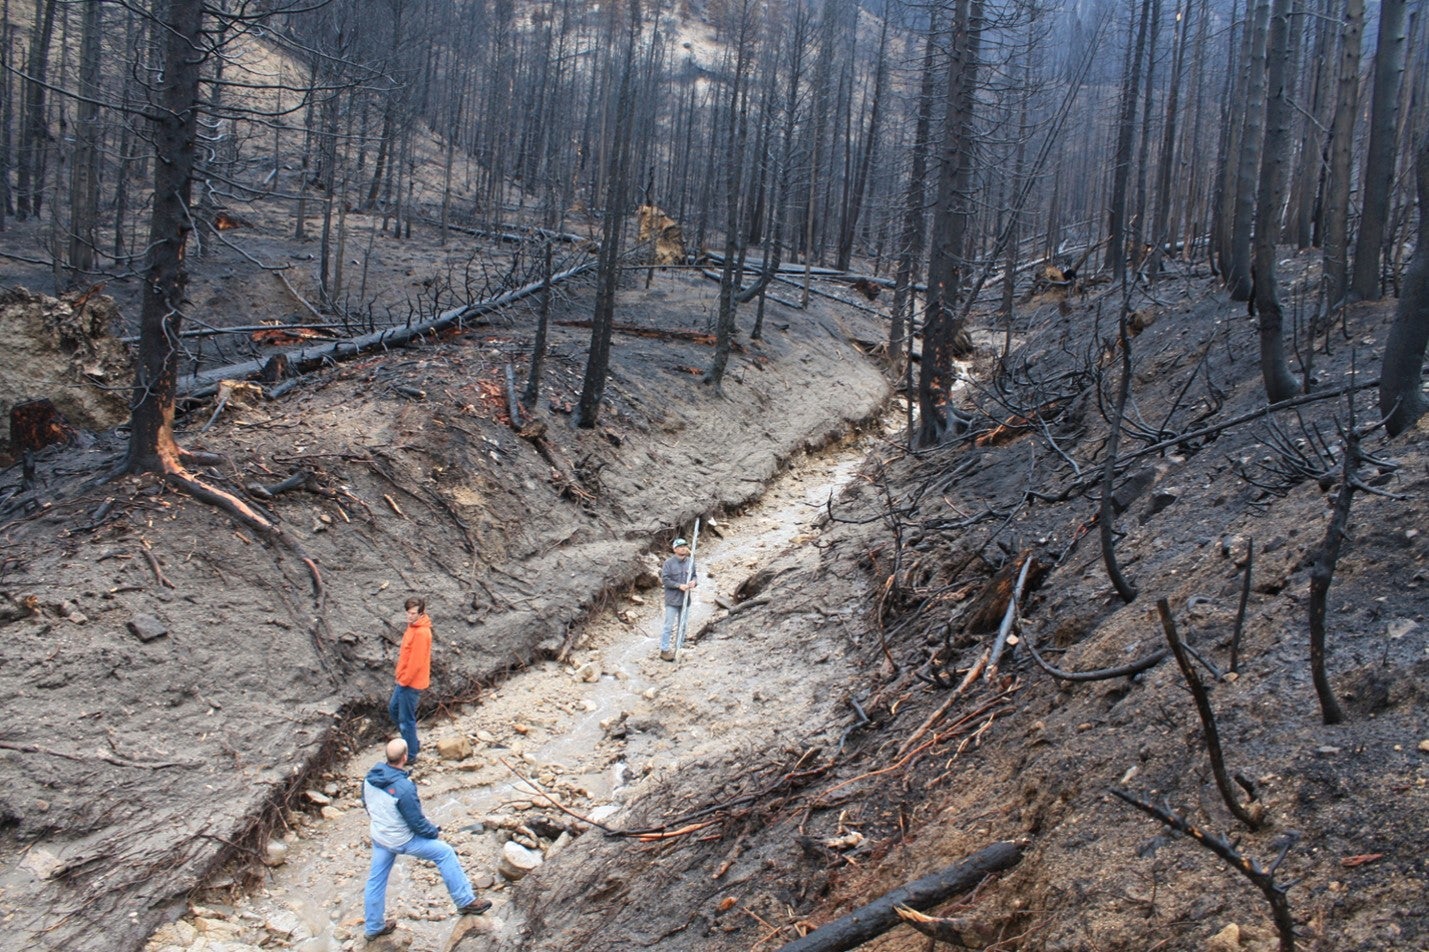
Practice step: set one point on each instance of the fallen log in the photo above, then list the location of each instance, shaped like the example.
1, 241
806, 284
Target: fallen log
205, 383
879, 916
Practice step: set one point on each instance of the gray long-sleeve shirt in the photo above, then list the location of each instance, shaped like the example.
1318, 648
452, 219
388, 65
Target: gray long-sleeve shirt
676, 572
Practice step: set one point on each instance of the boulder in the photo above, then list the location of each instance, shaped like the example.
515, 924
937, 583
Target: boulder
473, 934
275, 853
517, 861
455, 747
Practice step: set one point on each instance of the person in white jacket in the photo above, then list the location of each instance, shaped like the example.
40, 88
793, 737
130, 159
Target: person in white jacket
399, 826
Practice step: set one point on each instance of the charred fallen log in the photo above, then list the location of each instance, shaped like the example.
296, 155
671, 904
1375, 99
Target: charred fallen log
879, 916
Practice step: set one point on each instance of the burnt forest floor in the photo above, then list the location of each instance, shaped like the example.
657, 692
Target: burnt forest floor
172, 686
826, 811
822, 743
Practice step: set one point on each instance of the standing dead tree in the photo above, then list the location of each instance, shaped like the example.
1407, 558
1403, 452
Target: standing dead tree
1401, 396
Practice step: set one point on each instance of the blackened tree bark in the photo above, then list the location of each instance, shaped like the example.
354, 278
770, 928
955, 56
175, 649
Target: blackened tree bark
950, 224
1401, 395
733, 186
1121, 161
1389, 58
1308, 178
1228, 153
910, 242
1342, 134
34, 130
394, 92
174, 116
1136, 219
7, 111
84, 173
784, 178
1279, 383
1160, 230
538, 346
612, 231
860, 182
1238, 267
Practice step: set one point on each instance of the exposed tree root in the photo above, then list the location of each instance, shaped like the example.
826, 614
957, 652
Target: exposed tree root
176, 475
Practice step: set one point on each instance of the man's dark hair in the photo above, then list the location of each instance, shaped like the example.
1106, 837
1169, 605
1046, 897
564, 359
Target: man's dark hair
420, 604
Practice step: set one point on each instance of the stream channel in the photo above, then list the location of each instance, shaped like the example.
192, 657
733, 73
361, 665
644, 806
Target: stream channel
561, 725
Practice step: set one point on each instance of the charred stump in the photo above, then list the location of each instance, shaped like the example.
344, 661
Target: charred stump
36, 424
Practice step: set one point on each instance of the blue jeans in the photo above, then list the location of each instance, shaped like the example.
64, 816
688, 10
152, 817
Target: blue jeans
434, 851
672, 621
403, 708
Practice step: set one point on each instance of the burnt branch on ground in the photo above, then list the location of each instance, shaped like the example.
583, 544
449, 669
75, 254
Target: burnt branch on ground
1100, 674
1253, 816
1263, 878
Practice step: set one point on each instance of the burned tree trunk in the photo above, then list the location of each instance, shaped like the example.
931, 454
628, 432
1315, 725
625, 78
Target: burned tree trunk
1279, 383
175, 120
1401, 395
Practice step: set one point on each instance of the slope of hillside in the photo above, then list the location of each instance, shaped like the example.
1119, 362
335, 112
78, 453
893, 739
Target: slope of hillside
935, 773
170, 681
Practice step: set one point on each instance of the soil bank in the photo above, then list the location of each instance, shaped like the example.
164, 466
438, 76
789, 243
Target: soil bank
169, 681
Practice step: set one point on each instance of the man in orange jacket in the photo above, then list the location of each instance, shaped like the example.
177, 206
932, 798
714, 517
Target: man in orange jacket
414, 673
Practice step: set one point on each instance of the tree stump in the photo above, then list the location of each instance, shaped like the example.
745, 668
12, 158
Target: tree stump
36, 424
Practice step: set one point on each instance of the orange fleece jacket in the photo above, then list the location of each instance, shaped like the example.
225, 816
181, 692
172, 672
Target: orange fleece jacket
414, 661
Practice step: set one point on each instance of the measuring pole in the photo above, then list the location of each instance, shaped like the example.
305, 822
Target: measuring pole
685, 606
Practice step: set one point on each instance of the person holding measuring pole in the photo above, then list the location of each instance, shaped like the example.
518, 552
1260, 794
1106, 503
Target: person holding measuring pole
678, 577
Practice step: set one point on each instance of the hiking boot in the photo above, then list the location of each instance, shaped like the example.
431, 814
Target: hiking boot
474, 908
667, 655
388, 927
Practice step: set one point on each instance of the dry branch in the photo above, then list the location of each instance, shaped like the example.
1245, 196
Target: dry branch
1100, 674
1208, 718
99, 754
1008, 619
1240, 609
1264, 879
1322, 573
154, 566
879, 916
307, 305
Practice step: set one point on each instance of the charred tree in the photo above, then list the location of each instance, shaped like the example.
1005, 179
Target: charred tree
1238, 277
1389, 57
950, 226
538, 347
1401, 393
734, 175
174, 117
910, 242
1121, 160
84, 173
1275, 372
34, 130
612, 232
1342, 134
